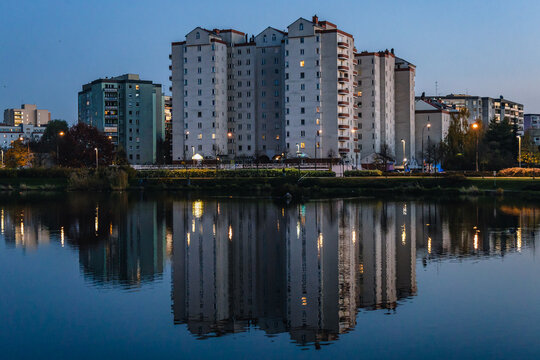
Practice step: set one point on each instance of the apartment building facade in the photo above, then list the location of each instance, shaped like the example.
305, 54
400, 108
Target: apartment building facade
432, 120
286, 94
486, 109
27, 114
130, 111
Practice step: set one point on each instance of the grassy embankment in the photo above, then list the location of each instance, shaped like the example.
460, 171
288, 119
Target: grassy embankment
262, 182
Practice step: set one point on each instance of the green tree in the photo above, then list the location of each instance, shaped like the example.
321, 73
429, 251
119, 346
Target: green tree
500, 145
17, 155
530, 152
459, 146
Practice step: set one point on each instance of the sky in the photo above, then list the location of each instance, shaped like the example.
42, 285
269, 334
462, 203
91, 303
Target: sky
50, 48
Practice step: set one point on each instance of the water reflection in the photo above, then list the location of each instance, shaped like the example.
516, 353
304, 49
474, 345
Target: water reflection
305, 269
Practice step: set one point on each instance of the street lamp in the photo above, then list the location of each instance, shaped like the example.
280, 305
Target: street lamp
61, 133
428, 125
404, 158
475, 126
96, 149
519, 147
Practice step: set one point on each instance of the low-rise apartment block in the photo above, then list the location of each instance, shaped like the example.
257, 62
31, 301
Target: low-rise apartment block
28, 114
486, 109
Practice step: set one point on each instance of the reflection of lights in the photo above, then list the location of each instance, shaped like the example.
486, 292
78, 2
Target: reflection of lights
22, 228
188, 238
282, 211
320, 241
403, 235
518, 238
361, 268
96, 220
429, 245
214, 229
169, 240
298, 229
218, 209
354, 236
193, 225
2, 221
62, 236
475, 244
110, 228
404, 209
230, 232
198, 209
304, 301
303, 210
277, 225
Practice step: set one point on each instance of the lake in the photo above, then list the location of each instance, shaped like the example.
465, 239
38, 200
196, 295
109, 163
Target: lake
86, 276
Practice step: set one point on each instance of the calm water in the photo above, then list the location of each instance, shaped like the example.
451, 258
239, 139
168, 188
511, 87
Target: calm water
89, 277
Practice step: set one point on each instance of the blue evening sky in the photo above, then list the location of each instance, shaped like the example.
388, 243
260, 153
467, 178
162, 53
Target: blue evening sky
49, 48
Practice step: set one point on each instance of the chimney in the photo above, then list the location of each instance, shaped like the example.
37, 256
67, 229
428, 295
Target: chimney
392, 50
315, 20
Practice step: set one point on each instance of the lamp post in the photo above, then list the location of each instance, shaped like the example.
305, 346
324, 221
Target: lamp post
404, 157
2, 157
97, 152
428, 125
475, 126
61, 133
519, 147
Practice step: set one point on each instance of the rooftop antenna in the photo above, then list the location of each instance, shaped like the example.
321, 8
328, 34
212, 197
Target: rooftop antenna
436, 88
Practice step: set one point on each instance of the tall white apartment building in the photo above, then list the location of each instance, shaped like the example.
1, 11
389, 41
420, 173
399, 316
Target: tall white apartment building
318, 90
300, 93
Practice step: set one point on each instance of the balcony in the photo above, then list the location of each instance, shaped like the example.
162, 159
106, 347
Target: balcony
343, 138
170, 67
343, 127
355, 117
355, 72
343, 115
343, 68
170, 56
343, 150
342, 80
342, 45
343, 91
356, 150
343, 56
343, 103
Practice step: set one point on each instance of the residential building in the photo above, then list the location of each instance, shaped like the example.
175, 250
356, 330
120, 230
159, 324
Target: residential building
295, 94
532, 126
432, 119
486, 109
129, 111
167, 121
25, 132
28, 114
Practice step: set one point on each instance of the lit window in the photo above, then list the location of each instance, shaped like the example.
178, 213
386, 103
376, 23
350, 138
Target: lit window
302, 63
199, 136
213, 136
302, 145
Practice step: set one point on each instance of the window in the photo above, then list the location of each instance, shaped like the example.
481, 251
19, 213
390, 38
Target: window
197, 35
302, 110
199, 114
302, 63
302, 75
301, 51
301, 27
301, 40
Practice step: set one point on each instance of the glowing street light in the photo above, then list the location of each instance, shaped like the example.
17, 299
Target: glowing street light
96, 149
476, 126
61, 133
428, 125
404, 158
519, 147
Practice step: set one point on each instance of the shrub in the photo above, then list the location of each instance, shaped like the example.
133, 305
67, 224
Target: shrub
238, 173
519, 172
104, 179
354, 173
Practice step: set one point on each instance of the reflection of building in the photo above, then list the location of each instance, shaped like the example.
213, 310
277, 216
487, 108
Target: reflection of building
304, 269
134, 253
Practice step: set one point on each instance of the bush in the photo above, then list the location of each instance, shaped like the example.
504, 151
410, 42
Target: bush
354, 173
36, 173
519, 172
104, 179
239, 173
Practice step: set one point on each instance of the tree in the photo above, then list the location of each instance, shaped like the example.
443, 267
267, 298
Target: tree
52, 135
500, 145
530, 152
459, 147
78, 147
17, 155
383, 157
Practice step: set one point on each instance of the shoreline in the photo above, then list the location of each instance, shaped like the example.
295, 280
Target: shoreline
304, 188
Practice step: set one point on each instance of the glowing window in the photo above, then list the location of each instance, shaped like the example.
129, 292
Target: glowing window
302, 63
